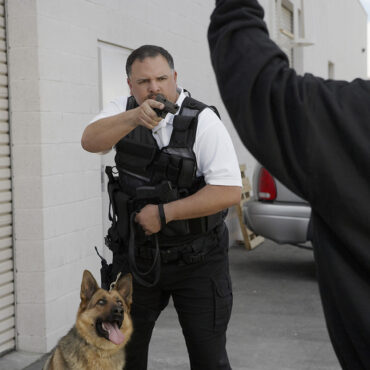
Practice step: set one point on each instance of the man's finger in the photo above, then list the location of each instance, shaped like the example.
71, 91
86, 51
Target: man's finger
148, 112
150, 115
148, 123
155, 104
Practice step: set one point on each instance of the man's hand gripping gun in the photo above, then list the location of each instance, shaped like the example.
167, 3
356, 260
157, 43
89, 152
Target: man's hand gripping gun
169, 107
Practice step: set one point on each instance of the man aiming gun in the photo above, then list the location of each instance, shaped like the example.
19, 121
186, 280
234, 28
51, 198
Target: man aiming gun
176, 176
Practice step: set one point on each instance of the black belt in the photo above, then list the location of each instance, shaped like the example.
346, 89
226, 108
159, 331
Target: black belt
191, 253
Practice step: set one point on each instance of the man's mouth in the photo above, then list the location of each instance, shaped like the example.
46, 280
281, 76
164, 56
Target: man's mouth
153, 96
110, 330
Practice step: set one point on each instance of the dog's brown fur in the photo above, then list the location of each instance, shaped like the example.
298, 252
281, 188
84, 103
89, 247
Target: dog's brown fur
83, 348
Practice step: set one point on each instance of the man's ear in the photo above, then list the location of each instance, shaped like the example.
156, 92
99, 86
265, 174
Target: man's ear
88, 287
129, 85
124, 288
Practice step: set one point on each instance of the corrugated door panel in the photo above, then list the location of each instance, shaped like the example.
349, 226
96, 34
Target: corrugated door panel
4, 115
5, 278
7, 326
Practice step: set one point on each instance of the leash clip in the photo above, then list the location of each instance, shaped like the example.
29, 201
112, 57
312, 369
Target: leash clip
114, 283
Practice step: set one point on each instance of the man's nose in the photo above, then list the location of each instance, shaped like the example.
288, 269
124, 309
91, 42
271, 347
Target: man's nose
154, 87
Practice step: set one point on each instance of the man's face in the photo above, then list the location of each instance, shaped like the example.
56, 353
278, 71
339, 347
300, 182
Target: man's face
150, 77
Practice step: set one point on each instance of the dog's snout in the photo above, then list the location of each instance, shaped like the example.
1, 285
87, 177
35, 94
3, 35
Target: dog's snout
117, 310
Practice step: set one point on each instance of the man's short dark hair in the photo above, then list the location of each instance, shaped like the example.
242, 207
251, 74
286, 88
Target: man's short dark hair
146, 51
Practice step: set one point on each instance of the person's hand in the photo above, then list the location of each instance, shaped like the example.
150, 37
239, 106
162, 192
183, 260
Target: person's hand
148, 218
146, 116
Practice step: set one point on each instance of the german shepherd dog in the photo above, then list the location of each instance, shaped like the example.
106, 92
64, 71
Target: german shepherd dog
102, 329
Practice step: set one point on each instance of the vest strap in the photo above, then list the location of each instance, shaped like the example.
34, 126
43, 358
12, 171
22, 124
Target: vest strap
131, 103
183, 133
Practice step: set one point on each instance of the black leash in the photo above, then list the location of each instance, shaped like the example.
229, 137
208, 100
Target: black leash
156, 266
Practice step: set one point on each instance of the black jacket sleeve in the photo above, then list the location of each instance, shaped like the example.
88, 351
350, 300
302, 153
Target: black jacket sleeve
313, 135
304, 129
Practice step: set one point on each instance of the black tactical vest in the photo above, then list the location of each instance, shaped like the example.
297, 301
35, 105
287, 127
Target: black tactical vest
149, 175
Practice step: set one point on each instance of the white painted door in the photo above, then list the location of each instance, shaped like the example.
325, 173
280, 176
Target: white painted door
112, 62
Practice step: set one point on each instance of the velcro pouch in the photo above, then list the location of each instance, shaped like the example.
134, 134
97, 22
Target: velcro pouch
187, 173
176, 228
135, 157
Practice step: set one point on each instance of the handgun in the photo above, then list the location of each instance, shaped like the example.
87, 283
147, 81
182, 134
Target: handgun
169, 107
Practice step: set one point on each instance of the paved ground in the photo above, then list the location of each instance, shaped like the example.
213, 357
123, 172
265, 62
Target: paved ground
277, 321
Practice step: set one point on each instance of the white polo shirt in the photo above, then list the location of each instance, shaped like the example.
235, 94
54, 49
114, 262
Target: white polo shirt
213, 148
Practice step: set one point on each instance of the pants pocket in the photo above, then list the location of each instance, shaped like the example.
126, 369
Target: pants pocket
223, 301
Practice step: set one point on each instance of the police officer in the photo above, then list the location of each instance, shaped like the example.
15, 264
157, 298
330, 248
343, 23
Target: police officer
190, 154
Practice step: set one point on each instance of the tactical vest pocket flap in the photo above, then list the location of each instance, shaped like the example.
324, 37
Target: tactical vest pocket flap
176, 228
135, 156
187, 174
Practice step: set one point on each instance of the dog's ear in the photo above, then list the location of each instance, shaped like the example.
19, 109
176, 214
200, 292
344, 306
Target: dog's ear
124, 288
88, 287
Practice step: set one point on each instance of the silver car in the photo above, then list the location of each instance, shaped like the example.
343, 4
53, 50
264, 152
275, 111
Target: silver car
275, 212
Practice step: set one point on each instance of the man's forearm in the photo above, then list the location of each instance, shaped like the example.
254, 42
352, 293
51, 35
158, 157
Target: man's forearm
207, 201
103, 134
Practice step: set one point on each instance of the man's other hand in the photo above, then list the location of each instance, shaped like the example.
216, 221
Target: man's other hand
148, 218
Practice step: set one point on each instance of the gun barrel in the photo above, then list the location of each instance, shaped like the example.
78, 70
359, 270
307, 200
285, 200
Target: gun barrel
169, 107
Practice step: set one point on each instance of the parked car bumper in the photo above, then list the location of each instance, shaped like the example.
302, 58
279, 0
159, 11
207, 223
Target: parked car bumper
280, 222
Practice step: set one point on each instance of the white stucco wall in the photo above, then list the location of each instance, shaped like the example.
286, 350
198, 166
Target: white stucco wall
53, 72
338, 30
54, 87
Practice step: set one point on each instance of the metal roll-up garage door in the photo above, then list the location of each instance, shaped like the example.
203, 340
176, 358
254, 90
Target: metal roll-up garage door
7, 329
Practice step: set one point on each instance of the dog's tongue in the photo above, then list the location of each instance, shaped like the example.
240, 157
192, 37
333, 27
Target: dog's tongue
115, 335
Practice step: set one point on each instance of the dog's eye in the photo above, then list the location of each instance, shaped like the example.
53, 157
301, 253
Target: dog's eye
102, 302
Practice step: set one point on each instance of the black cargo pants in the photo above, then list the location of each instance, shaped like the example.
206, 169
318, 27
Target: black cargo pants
202, 296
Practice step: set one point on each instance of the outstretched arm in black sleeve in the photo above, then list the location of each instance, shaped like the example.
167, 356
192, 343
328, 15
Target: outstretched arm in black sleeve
314, 136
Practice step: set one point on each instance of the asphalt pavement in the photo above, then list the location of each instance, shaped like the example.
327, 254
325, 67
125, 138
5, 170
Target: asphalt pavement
277, 321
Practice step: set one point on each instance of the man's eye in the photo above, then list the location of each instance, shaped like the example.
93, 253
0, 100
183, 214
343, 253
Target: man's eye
102, 302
